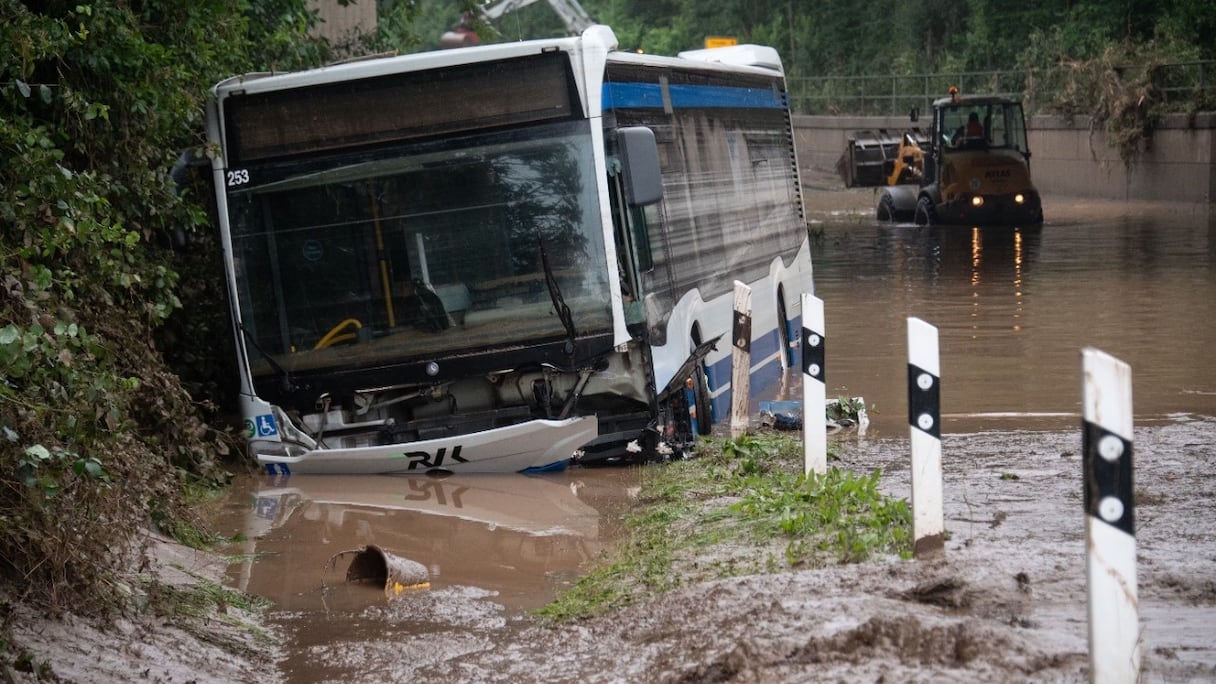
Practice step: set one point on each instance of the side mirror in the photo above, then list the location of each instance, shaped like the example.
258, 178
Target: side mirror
640, 165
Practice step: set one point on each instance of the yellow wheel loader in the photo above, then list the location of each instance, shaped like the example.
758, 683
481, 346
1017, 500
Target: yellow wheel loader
972, 166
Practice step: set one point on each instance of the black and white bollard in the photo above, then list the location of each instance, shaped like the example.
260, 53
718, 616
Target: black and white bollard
924, 417
814, 388
1110, 522
741, 361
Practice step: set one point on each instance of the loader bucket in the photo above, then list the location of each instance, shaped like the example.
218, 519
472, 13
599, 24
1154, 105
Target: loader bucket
869, 157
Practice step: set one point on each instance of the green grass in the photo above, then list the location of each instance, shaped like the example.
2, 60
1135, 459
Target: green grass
192, 606
741, 507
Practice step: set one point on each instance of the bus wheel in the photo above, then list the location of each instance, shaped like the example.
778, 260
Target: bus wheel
701, 403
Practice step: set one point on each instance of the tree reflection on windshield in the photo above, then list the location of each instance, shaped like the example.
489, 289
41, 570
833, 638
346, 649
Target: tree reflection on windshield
422, 253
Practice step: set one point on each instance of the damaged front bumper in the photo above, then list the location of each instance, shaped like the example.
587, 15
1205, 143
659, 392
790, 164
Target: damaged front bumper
532, 446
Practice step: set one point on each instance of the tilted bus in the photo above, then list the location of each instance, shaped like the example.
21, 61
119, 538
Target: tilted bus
501, 257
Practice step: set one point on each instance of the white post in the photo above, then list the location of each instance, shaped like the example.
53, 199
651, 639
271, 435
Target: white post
741, 360
1114, 619
924, 417
814, 387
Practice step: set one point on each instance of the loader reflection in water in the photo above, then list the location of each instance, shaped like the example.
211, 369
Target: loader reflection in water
519, 537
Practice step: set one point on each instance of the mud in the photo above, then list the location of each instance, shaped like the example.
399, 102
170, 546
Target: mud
1006, 602
221, 643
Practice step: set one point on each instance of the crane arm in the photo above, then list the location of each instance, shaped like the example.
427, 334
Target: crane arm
572, 14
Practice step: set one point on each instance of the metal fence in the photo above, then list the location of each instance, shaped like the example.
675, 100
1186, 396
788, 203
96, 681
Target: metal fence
1181, 86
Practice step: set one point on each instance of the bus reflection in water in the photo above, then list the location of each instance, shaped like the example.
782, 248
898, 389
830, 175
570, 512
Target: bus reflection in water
520, 536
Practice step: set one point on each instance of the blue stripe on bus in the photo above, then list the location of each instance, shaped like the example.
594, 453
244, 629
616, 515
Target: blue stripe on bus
649, 95
719, 373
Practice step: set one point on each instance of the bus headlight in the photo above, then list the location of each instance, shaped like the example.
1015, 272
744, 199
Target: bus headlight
977, 201
1019, 198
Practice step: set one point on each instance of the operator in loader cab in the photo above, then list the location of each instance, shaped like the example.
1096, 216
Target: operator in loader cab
972, 131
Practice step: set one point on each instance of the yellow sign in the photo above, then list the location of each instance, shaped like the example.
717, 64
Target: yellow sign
720, 41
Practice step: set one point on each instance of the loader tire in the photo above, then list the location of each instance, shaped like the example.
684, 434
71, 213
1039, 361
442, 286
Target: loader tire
925, 216
886, 208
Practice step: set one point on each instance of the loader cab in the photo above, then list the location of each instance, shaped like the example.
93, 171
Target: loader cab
979, 124
979, 169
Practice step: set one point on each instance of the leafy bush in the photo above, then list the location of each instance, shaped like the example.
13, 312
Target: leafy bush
1120, 86
98, 436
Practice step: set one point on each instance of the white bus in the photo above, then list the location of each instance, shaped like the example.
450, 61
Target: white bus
503, 257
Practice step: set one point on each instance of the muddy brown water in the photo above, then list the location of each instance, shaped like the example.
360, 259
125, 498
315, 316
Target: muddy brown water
1014, 307
495, 546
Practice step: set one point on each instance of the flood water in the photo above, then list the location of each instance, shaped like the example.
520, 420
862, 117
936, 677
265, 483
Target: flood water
1014, 308
495, 546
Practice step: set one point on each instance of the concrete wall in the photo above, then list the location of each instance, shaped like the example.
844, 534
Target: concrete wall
338, 23
1178, 164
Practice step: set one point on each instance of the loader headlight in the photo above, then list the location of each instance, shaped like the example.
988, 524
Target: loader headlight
977, 201
1019, 198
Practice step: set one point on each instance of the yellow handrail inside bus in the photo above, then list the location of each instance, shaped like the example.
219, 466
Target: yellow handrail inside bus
380, 256
333, 336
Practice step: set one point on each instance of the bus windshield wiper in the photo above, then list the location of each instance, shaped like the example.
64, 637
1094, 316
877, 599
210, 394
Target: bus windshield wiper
555, 294
284, 375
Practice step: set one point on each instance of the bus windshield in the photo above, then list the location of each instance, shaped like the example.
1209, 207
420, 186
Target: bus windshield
359, 259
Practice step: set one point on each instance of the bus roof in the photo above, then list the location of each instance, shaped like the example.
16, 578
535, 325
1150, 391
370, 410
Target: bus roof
597, 37
738, 55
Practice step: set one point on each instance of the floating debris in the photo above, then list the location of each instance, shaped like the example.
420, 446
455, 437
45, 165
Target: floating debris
842, 412
374, 565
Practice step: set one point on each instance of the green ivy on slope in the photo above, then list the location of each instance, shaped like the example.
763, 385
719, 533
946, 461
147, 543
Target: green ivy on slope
98, 436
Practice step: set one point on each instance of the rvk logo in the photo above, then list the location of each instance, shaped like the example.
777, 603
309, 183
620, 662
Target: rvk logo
429, 489
260, 426
425, 460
